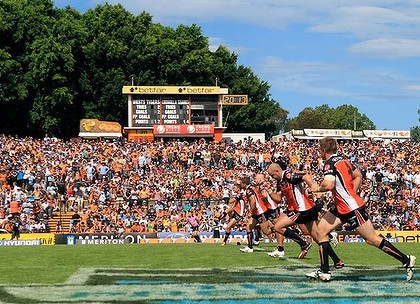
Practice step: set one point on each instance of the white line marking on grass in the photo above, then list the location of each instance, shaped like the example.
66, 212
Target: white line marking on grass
81, 276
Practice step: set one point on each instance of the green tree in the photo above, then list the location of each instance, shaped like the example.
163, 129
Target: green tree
415, 133
348, 117
104, 69
37, 60
324, 117
58, 66
309, 118
20, 23
191, 63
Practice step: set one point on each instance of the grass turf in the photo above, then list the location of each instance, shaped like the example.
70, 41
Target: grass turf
55, 264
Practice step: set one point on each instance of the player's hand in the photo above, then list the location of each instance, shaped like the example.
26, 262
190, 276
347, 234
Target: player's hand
313, 189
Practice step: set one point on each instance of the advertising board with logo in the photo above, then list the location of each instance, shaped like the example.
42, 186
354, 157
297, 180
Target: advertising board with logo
44, 238
183, 129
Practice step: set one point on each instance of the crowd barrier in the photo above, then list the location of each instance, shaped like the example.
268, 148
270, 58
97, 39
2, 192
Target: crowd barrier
239, 237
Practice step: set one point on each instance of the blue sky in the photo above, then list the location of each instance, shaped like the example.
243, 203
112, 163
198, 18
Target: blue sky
363, 53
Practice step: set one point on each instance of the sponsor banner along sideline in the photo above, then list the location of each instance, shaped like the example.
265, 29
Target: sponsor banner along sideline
45, 238
20, 242
185, 237
412, 236
71, 239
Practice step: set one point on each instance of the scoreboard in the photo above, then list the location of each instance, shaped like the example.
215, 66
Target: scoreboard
177, 111
153, 109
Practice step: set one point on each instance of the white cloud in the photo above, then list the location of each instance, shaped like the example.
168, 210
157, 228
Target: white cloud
276, 65
412, 88
391, 48
325, 16
396, 22
308, 84
264, 12
367, 21
335, 79
215, 42
390, 97
307, 77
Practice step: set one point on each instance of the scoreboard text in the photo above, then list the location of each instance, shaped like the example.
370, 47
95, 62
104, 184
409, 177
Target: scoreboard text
149, 109
234, 100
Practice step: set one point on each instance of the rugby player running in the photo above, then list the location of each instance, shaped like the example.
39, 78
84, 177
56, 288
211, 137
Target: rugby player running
343, 179
264, 216
236, 212
301, 209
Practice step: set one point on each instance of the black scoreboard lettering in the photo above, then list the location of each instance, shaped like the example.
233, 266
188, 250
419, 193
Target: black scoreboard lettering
145, 110
148, 110
175, 110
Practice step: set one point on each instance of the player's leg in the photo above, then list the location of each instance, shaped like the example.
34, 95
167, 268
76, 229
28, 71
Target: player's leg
312, 228
196, 236
268, 228
252, 222
228, 230
258, 235
281, 226
326, 224
367, 231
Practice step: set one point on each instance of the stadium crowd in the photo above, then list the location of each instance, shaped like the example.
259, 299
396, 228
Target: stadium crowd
129, 186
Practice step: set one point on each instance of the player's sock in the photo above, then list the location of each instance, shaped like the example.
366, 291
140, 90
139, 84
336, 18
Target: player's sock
294, 236
323, 253
332, 254
280, 248
227, 234
258, 234
390, 249
249, 238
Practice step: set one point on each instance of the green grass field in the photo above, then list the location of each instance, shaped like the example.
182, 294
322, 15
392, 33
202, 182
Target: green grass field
185, 273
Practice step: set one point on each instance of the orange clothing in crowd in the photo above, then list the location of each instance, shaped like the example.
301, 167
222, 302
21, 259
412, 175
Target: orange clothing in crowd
14, 207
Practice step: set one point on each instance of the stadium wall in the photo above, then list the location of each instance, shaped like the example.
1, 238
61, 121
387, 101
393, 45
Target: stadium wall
412, 236
235, 137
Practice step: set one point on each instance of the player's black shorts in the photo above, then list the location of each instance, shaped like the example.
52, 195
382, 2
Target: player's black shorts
303, 217
260, 218
354, 218
271, 214
236, 216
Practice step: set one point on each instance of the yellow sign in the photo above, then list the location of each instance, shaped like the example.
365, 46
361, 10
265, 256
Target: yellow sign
46, 238
404, 236
94, 125
170, 90
235, 100
141, 133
